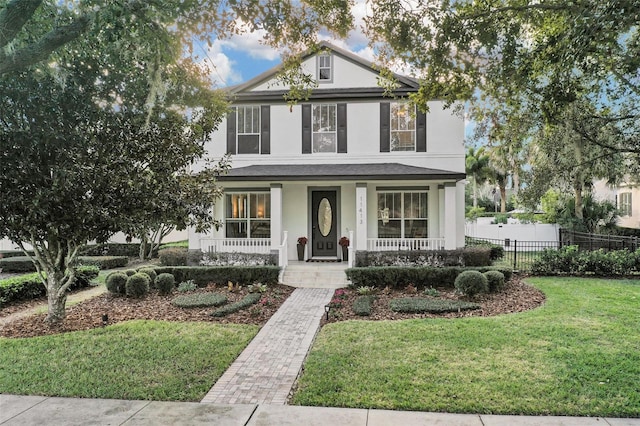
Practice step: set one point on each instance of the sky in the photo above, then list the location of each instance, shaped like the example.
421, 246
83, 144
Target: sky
241, 57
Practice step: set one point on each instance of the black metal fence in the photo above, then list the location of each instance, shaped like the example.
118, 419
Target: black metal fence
518, 255
587, 241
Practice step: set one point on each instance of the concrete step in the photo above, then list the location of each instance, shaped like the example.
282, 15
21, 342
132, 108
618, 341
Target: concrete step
315, 275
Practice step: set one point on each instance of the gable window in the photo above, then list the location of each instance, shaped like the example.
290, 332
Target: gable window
625, 204
248, 129
402, 214
402, 128
325, 70
324, 128
248, 215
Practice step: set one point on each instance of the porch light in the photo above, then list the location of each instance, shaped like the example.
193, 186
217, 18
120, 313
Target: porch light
105, 319
327, 308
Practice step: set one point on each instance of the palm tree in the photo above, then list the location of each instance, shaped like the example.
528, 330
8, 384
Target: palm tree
477, 166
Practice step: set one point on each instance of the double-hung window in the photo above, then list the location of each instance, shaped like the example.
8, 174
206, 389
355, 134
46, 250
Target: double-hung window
625, 204
402, 214
325, 128
248, 215
325, 69
403, 128
248, 129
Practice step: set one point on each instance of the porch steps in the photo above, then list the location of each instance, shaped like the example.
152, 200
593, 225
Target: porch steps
315, 275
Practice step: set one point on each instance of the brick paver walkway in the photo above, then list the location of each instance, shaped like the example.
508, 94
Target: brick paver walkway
267, 369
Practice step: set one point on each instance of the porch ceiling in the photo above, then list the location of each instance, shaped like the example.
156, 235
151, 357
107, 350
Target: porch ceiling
379, 171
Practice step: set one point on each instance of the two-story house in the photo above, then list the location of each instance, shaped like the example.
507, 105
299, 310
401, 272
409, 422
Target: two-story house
348, 162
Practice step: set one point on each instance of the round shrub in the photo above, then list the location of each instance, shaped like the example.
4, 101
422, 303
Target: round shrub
495, 280
130, 272
137, 285
116, 282
165, 283
471, 283
151, 273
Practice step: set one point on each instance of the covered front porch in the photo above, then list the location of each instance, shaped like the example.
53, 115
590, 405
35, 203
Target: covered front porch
269, 209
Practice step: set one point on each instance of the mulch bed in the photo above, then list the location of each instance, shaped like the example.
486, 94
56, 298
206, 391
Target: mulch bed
516, 297
88, 314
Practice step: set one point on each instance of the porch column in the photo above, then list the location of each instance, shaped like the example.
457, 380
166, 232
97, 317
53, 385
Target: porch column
441, 211
460, 210
433, 201
450, 216
361, 216
276, 215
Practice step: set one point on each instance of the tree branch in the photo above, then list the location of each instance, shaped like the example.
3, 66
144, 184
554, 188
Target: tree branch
13, 17
498, 10
35, 53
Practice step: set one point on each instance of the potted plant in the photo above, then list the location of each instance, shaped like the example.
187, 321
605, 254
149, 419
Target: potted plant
302, 242
344, 243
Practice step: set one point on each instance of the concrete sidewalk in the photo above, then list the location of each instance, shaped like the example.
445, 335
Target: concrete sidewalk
36, 410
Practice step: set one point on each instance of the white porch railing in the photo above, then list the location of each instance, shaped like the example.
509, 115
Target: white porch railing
283, 251
394, 244
240, 245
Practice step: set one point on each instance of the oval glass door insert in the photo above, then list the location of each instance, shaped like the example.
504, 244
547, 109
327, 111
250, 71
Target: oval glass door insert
324, 217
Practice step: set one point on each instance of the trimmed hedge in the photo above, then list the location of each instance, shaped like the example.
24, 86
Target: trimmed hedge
26, 287
468, 256
363, 305
24, 264
12, 253
137, 285
248, 300
203, 275
495, 280
104, 262
175, 256
432, 306
471, 283
165, 283
238, 259
200, 300
420, 277
113, 249
571, 261
17, 264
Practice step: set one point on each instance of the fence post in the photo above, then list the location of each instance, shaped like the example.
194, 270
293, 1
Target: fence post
515, 253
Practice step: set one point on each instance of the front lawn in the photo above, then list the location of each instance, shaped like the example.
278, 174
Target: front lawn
149, 360
578, 355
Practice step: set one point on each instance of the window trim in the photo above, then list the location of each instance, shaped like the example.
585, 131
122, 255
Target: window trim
333, 132
320, 67
412, 119
257, 132
247, 208
402, 219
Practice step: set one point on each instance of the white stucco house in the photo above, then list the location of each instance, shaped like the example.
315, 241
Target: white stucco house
348, 162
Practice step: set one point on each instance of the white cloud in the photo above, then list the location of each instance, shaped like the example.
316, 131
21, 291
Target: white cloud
221, 67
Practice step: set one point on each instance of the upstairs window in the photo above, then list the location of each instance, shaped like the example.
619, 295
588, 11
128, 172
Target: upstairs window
324, 128
403, 128
325, 69
248, 130
625, 204
248, 124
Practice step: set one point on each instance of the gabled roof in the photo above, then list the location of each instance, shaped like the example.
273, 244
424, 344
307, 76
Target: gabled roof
405, 82
323, 172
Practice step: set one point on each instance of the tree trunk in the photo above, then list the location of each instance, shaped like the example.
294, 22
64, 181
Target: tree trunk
503, 198
55, 300
578, 205
475, 192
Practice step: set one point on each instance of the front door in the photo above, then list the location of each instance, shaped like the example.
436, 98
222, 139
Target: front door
324, 235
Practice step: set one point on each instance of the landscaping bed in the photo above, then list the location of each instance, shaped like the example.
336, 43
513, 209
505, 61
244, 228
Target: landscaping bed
516, 296
88, 314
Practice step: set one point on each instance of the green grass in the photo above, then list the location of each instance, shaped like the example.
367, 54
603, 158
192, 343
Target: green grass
579, 354
148, 360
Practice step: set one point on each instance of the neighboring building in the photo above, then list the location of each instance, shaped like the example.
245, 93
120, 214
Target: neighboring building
348, 162
625, 196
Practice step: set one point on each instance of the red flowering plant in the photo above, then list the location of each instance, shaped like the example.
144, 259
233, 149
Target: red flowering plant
344, 242
302, 241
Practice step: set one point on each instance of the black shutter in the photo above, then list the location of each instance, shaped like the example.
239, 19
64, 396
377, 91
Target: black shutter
385, 135
342, 128
231, 131
421, 131
265, 129
306, 128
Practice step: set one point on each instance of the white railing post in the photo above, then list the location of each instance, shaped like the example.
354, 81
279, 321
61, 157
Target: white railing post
283, 252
